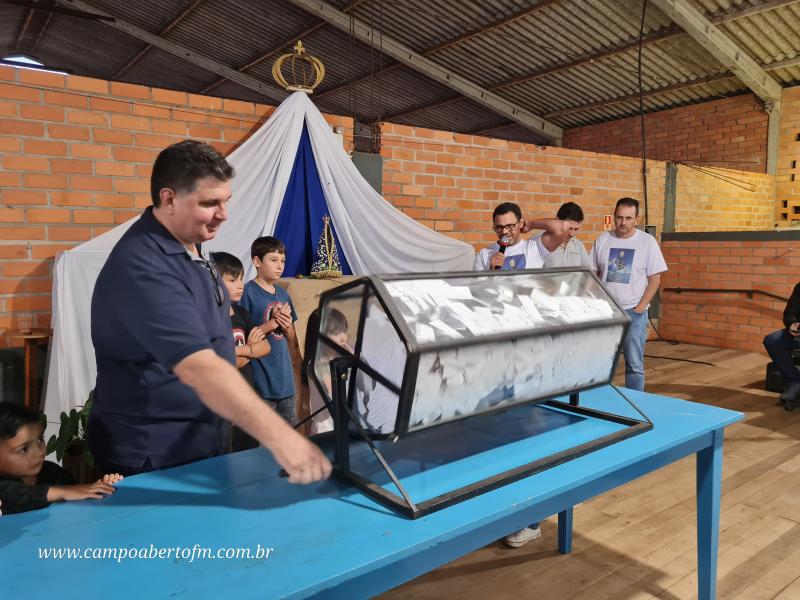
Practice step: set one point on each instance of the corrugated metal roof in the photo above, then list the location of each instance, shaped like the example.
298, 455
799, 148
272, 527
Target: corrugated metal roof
573, 62
78, 43
152, 15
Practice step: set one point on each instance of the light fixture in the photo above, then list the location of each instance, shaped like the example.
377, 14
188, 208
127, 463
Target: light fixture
20, 61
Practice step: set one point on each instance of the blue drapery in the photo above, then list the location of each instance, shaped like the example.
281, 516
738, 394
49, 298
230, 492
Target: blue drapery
299, 223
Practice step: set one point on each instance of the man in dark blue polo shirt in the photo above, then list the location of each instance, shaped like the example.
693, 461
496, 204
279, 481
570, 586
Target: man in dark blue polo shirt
166, 375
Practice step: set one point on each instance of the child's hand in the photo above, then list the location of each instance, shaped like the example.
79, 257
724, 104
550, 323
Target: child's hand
255, 336
269, 326
110, 478
286, 309
283, 320
98, 489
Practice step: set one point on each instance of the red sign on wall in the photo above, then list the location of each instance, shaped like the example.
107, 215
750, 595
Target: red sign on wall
607, 222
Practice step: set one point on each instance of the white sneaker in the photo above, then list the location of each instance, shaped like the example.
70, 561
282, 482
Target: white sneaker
522, 537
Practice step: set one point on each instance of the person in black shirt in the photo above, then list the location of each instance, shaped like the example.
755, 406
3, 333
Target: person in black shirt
248, 339
27, 481
166, 375
779, 345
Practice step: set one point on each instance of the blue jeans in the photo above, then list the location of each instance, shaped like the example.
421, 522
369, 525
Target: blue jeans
633, 349
286, 408
779, 345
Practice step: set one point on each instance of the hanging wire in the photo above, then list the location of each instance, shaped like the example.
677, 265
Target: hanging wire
740, 183
660, 337
371, 67
688, 360
717, 171
641, 110
379, 116
351, 96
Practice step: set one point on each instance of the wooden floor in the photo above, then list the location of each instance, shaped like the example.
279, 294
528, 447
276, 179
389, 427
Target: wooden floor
638, 541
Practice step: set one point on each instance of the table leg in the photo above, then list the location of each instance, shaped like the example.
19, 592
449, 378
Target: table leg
709, 488
565, 531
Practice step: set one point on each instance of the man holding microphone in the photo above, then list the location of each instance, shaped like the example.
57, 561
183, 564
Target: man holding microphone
511, 252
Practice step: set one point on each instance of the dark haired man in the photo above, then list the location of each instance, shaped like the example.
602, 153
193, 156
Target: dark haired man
511, 252
779, 345
629, 262
166, 379
571, 252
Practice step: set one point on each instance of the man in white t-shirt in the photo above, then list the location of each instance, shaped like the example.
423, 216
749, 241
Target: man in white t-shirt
518, 253
629, 263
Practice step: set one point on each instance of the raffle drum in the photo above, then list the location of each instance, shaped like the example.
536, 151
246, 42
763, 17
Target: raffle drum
400, 354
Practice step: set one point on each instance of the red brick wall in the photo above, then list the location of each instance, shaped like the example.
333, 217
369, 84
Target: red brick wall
731, 132
75, 160
452, 182
727, 320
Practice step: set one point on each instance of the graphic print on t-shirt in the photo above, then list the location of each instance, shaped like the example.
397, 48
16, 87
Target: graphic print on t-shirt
620, 265
512, 263
239, 338
272, 309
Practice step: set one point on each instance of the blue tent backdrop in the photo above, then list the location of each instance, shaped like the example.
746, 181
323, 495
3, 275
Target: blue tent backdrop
300, 223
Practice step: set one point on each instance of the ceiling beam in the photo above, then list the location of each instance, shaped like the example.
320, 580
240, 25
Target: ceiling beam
432, 70
665, 33
171, 25
722, 47
278, 47
41, 32
24, 28
764, 6
268, 90
520, 14
630, 97
792, 62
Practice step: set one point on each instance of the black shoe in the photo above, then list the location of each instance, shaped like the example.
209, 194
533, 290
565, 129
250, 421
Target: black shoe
792, 391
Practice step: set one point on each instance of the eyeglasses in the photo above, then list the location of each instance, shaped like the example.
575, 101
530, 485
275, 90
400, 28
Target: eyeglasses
212, 269
501, 228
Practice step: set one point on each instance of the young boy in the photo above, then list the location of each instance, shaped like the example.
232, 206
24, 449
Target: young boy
248, 340
27, 481
271, 307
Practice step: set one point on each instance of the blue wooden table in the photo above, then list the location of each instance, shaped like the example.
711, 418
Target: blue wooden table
328, 540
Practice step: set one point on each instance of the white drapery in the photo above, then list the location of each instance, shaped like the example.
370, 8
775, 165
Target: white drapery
375, 236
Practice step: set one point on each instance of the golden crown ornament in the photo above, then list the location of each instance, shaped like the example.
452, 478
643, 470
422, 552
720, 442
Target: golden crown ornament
306, 71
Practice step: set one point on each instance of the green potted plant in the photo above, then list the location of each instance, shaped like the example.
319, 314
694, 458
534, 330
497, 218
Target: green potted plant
70, 443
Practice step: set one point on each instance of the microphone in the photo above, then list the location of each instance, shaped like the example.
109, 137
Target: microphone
503, 243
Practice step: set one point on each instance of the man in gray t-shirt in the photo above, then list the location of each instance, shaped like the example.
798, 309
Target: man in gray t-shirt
571, 252
629, 263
